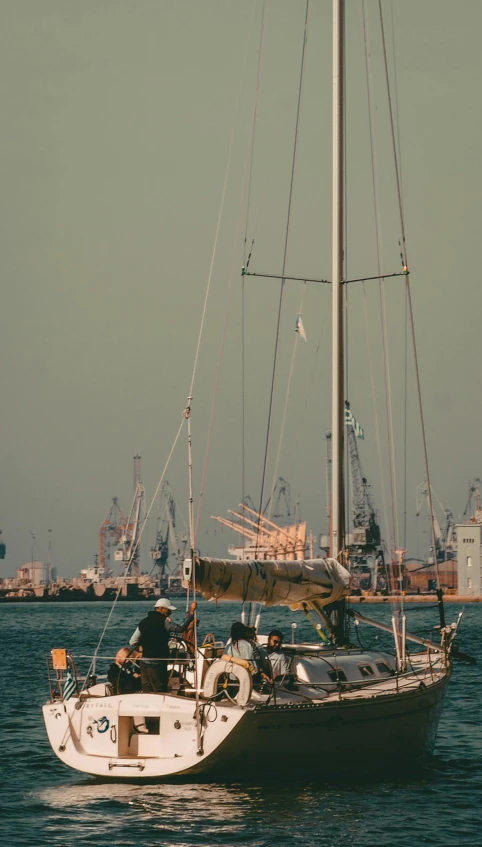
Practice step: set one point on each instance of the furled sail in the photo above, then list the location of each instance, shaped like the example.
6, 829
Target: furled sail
274, 583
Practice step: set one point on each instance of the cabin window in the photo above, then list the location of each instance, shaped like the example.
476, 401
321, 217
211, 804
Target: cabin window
382, 667
337, 676
366, 670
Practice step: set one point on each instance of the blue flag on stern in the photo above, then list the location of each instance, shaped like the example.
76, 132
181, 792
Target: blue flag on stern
69, 686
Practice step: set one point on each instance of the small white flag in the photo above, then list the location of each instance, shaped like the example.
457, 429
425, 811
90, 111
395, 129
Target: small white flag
350, 420
70, 687
300, 328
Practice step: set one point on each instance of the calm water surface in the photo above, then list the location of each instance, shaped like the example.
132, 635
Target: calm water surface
43, 802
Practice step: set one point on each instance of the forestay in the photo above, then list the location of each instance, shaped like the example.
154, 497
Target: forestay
274, 583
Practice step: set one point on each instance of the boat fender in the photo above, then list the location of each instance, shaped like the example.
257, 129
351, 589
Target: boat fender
220, 667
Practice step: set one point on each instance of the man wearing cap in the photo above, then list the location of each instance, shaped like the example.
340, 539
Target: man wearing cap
153, 634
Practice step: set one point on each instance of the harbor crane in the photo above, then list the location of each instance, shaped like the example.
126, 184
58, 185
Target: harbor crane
280, 500
168, 541
110, 534
444, 535
364, 543
128, 551
265, 538
472, 510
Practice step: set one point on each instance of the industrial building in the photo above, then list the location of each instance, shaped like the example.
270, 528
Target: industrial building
469, 541
37, 573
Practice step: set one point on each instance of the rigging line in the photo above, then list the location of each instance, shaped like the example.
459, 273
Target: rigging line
128, 564
284, 277
287, 231
221, 208
348, 493
187, 415
397, 112
218, 370
245, 272
262, 39
365, 302
223, 337
257, 223
389, 418
183, 519
405, 424
399, 146
161, 480
243, 389
386, 364
394, 146
303, 417
409, 296
424, 438
347, 481
373, 393
285, 409
248, 259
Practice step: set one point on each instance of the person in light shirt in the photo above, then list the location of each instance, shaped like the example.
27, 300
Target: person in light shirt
239, 648
279, 663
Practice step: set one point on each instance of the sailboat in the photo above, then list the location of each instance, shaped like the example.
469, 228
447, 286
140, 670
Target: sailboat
342, 707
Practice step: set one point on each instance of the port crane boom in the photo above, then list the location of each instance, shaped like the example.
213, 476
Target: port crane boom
444, 537
128, 551
167, 538
110, 533
365, 550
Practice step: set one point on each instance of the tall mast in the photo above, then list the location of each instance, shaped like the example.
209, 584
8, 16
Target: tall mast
337, 487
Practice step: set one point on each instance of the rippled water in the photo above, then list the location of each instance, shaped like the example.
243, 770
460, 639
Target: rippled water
43, 802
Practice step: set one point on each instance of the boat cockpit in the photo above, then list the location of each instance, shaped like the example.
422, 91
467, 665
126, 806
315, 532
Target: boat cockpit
316, 672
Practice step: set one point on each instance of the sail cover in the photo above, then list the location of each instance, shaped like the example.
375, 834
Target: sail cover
274, 583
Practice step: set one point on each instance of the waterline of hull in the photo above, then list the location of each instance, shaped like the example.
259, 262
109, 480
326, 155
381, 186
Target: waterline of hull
366, 735
320, 739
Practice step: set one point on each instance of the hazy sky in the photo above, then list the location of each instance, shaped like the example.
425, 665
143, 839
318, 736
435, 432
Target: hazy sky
117, 120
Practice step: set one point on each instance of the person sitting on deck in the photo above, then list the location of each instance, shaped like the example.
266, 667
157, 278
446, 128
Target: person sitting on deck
124, 674
263, 673
239, 649
279, 664
125, 678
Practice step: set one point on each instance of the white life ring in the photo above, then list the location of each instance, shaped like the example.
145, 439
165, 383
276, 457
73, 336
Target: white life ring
243, 676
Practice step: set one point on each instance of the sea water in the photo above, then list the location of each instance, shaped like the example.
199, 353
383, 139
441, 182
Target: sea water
45, 803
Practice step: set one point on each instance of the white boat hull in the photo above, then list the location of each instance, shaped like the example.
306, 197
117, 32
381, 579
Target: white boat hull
97, 736
331, 737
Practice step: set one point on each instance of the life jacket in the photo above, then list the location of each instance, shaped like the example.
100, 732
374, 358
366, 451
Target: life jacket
154, 636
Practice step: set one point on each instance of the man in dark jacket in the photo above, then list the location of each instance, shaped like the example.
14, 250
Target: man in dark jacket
153, 634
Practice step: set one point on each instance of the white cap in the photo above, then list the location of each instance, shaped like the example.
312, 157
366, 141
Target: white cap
164, 603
